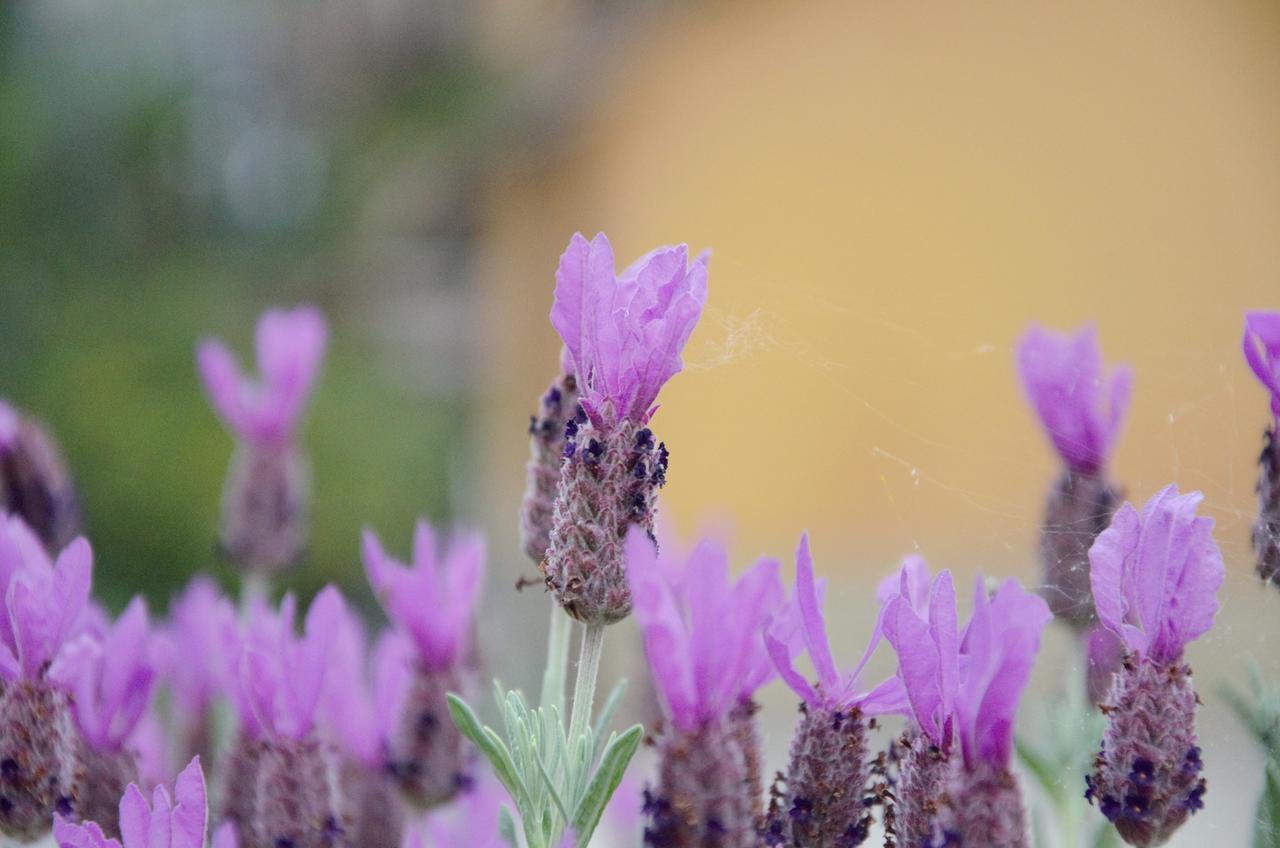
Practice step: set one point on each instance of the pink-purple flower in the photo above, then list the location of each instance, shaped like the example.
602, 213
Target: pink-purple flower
434, 598
1156, 575
625, 332
1262, 351
1081, 407
199, 642
265, 410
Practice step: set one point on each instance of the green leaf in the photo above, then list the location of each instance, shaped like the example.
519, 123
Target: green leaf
613, 764
507, 827
1267, 833
606, 712
489, 744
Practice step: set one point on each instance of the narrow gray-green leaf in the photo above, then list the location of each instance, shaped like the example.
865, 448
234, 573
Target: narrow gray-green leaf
484, 739
613, 764
1267, 832
507, 827
606, 712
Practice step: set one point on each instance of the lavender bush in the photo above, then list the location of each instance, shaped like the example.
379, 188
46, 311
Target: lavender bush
328, 736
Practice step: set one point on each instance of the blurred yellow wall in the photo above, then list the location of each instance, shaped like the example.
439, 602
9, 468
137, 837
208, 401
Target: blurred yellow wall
892, 191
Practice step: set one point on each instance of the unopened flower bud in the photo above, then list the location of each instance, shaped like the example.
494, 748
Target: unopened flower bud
265, 507
546, 448
427, 757
1080, 507
1266, 528
34, 483
38, 764
610, 481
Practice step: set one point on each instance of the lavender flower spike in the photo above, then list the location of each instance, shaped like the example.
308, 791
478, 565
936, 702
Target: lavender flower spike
819, 802
44, 603
547, 429
1156, 578
707, 656
922, 628
998, 648
265, 502
164, 823
1262, 352
111, 679
434, 603
624, 334
34, 482
291, 769
1082, 411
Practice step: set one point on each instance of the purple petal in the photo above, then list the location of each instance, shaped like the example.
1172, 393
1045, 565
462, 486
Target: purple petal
815, 629
666, 638
190, 815
135, 818
1107, 557
780, 653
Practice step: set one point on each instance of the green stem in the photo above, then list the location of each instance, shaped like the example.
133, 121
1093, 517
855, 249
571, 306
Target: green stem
557, 670
254, 586
584, 690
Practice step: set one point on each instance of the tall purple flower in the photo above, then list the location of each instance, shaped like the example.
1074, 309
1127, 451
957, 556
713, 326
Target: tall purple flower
624, 334
177, 822
197, 643
433, 601
1156, 578
820, 800
1262, 352
44, 603
920, 622
34, 482
547, 429
707, 657
265, 502
1082, 409
998, 650
282, 776
111, 680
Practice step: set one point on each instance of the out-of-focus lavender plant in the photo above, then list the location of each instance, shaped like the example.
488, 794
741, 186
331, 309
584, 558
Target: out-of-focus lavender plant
44, 605
1262, 352
821, 799
1155, 580
703, 636
266, 499
34, 482
1082, 410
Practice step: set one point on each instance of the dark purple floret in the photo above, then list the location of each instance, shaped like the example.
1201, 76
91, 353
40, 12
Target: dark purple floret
1110, 807
1143, 773
1195, 799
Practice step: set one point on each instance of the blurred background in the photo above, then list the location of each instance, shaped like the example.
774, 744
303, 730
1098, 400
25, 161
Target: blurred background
891, 193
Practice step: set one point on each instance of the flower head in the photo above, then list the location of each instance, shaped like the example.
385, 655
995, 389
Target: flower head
625, 331
705, 649
290, 345
111, 679
1080, 408
1155, 577
998, 648
43, 600
434, 599
1262, 351
833, 689
179, 822
281, 675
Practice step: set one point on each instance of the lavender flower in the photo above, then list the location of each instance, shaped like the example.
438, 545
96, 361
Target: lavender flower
920, 622
1082, 411
434, 603
197, 668
111, 680
624, 334
707, 657
283, 784
820, 801
265, 502
546, 447
998, 650
164, 823
1262, 352
43, 605
34, 483
1156, 579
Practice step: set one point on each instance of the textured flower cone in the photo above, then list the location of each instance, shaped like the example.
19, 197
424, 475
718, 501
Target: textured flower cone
298, 798
238, 782
546, 449
708, 788
821, 804
265, 507
1146, 779
428, 758
377, 814
105, 776
924, 772
1266, 529
609, 481
1080, 507
38, 763
35, 486
986, 809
